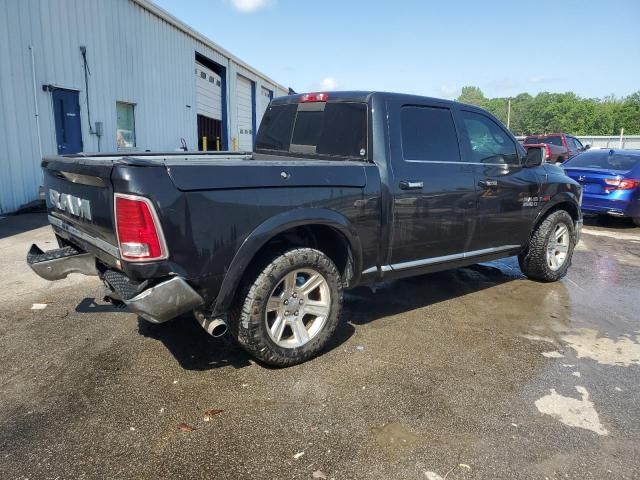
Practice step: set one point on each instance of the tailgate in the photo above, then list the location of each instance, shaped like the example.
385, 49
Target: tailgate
79, 196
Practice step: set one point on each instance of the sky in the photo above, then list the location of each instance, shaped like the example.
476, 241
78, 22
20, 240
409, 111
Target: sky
427, 47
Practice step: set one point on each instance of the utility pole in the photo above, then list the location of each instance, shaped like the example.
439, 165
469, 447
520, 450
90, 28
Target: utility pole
509, 113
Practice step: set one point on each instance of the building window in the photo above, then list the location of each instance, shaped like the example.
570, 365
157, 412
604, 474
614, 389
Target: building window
125, 125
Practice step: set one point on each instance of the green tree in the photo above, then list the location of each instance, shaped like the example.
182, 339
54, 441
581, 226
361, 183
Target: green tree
472, 95
562, 112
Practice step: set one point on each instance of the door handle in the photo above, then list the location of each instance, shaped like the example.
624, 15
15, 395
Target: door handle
407, 185
488, 183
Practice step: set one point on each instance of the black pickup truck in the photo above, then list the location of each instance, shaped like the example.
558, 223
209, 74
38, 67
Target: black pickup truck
343, 189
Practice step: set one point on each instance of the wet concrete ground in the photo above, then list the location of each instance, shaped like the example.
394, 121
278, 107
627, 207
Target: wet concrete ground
471, 373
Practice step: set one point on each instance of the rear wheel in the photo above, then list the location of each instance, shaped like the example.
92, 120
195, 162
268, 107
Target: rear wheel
636, 221
550, 250
291, 309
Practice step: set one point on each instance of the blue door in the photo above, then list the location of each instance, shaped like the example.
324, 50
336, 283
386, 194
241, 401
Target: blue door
66, 110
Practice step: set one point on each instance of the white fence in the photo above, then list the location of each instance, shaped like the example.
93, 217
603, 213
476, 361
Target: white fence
629, 141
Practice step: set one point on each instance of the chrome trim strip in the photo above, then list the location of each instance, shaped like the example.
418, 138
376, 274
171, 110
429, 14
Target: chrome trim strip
374, 269
455, 256
96, 242
466, 163
444, 258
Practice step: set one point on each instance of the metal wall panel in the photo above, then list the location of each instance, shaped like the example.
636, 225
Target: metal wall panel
136, 53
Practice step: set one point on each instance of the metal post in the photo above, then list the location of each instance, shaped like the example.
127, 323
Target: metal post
621, 136
204, 144
218, 143
35, 99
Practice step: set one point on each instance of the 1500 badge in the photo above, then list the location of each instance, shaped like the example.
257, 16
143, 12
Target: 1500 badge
69, 203
534, 201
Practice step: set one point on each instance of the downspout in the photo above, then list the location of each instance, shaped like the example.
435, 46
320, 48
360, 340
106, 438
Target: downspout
35, 99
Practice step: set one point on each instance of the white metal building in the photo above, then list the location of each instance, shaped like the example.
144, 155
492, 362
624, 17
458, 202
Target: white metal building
107, 75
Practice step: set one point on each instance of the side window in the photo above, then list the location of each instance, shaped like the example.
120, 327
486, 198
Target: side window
576, 143
488, 143
428, 134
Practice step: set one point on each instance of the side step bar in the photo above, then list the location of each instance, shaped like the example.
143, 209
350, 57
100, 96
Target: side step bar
57, 264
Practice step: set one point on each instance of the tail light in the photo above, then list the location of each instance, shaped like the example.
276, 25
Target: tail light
138, 230
621, 183
314, 97
547, 151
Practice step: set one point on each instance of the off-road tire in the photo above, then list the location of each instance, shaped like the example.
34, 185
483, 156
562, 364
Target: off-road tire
636, 221
248, 324
533, 261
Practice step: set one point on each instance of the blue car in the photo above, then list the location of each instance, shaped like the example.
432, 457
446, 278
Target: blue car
610, 181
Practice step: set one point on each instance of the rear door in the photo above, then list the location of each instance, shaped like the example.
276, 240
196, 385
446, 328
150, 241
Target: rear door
433, 191
508, 194
66, 112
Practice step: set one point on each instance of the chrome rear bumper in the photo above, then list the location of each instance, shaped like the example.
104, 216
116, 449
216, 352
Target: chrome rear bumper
57, 264
165, 301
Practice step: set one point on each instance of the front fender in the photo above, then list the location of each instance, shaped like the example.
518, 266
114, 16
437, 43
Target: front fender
560, 197
268, 230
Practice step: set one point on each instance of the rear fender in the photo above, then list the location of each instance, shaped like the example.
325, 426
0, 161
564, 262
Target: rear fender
270, 229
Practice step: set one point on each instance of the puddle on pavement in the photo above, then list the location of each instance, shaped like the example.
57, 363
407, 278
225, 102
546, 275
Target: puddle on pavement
395, 437
573, 412
621, 351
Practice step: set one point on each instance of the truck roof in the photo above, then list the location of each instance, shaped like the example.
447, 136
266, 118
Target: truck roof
358, 96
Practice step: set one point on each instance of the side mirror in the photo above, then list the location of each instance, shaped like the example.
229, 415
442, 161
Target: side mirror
587, 146
534, 157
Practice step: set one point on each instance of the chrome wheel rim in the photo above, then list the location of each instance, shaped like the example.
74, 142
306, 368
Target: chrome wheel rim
298, 308
558, 247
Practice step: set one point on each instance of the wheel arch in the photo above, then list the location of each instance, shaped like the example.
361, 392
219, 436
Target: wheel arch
300, 227
562, 201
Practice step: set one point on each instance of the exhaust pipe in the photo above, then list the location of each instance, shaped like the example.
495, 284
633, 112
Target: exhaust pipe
216, 327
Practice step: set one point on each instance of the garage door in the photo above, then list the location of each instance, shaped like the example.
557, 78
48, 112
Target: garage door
264, 98
244, 104
208, 92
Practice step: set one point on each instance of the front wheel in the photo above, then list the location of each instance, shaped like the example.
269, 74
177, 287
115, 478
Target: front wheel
548, 256
291, 310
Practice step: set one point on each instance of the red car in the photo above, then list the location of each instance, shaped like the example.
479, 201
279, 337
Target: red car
557, 147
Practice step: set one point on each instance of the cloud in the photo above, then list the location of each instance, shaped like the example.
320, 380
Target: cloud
328, 83
250, 6
541, 79
449, 91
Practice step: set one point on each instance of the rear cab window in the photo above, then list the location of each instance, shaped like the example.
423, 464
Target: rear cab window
553, 140
325, 130
549, 140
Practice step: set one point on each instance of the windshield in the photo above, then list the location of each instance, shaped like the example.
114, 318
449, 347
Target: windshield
331, 130
604, 159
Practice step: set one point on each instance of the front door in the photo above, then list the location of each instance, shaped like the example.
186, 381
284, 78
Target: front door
433, 191
508, 194
66, 111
